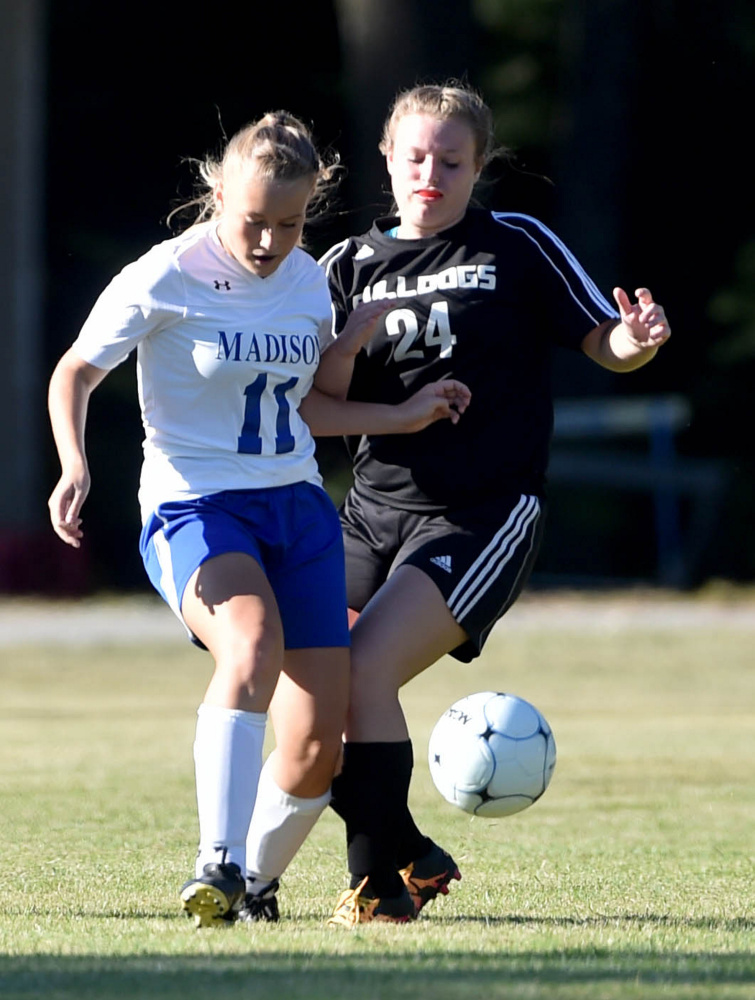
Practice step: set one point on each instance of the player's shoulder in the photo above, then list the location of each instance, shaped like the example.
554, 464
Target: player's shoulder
169, 257
531, 240
522, 226
334, 253
154, 275
354, 249
174, 248
342, 254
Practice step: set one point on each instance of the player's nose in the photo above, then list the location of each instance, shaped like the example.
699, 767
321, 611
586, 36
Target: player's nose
429, 170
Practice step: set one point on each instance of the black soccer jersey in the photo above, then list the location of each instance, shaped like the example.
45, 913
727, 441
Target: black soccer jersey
482, 302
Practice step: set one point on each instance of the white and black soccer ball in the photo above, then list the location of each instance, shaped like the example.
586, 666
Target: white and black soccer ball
492, 754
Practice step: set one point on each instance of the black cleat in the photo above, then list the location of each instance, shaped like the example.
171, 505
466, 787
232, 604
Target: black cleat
429, 876
214, 897
261, 905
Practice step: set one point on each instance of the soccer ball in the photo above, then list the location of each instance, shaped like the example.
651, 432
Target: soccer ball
492, 754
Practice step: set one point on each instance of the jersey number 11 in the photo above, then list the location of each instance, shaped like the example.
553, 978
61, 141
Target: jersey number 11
250, 440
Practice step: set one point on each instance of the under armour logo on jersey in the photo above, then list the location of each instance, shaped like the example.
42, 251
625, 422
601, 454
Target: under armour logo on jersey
222, 284
363, 251
443, 561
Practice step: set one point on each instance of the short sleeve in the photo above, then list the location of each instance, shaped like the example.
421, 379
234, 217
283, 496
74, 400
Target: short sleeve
144, 298
331, 262
325, 332
569, 302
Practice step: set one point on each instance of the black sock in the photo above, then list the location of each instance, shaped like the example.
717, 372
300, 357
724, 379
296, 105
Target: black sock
370, 794
410, 843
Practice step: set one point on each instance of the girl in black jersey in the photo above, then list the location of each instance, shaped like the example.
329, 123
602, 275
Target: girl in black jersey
441, 528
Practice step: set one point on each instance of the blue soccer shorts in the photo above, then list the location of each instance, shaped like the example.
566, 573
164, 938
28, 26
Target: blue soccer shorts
294, 534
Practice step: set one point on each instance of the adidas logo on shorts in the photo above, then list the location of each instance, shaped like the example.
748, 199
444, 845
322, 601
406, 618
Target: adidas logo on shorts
443, 561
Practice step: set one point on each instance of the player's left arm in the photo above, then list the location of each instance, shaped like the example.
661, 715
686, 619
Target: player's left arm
632, 341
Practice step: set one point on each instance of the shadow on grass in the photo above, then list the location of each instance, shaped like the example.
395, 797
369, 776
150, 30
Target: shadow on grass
727, 924
732, 924
400, 974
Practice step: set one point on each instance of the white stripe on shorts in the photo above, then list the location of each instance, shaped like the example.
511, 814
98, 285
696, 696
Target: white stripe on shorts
167, 582
488, 566
167, 579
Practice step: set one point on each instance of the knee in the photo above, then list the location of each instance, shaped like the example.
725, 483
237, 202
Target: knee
249, 665
310, 766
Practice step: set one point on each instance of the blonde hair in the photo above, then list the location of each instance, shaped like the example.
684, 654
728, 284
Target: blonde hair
277, 147
443, 101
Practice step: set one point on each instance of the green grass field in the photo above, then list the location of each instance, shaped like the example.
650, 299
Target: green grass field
632, 877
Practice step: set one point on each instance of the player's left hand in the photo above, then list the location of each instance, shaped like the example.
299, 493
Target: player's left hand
644, 321
446, 399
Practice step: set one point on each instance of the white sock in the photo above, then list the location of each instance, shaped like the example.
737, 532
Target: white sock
227, 763
280, 825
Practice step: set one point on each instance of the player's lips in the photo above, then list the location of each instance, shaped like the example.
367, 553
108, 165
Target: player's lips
429, 194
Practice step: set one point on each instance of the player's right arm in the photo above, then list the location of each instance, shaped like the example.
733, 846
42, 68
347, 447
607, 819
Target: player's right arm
71, 386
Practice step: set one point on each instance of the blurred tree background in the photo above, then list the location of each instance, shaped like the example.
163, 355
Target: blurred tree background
626, 122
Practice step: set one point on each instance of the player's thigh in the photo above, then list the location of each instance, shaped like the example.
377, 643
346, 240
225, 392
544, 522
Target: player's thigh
479, 558
204, 555
230, 607
403, 629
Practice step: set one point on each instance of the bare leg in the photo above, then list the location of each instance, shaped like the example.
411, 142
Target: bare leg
404, 629
230, 606
308, 712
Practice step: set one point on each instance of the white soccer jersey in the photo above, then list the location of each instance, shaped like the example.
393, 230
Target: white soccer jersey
224, 358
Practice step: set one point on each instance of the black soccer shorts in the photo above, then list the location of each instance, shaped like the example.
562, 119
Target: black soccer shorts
480, 557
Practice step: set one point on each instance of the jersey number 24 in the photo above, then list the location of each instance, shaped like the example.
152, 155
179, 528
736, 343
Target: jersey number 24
403, 323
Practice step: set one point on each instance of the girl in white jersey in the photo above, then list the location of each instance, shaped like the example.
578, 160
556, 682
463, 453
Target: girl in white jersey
228, 320
442, 528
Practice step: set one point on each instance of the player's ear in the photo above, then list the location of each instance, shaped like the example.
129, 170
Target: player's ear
217, 196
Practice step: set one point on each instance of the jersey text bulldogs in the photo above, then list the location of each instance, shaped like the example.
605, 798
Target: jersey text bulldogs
458, 276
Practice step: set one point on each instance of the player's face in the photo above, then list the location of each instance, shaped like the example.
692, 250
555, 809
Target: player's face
433, 168
261, 219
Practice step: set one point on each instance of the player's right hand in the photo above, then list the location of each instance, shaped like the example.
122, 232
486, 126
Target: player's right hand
360, 326
65, 504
